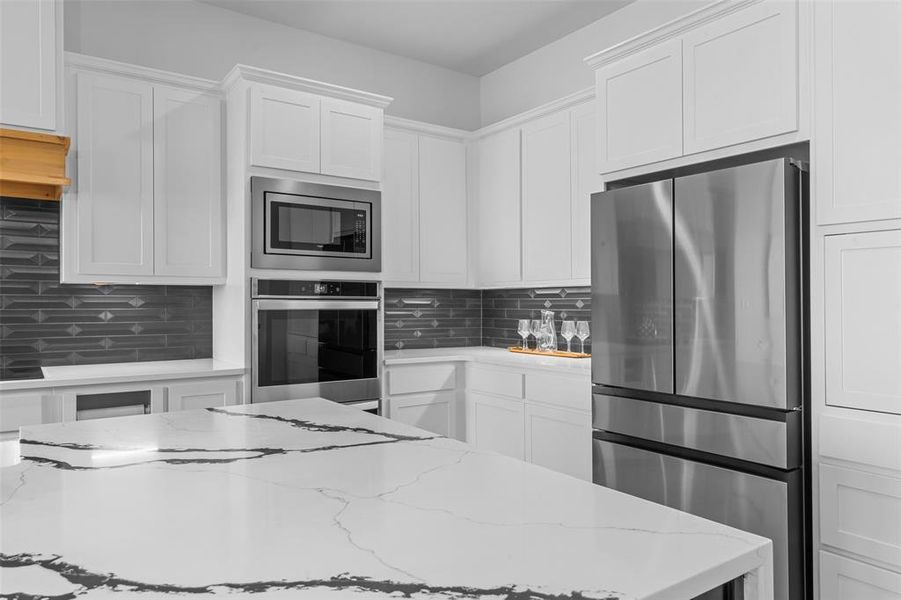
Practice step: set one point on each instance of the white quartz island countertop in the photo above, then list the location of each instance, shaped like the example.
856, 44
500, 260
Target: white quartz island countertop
309, 499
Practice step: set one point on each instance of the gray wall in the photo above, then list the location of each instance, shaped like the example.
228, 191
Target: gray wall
207, 41
45, 323
557, 69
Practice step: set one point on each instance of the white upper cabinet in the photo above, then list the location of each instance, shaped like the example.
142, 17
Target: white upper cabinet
400, 207
188, 210
740, 77
351, 140
857, 118
499, 208
284, 128
113, 232
585, 182
639, 102
442, 210
724, 79
863, 321
147, 202
30, 50
546, 199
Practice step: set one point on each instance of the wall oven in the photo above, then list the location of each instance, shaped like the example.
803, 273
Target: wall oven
313, 227
316, 338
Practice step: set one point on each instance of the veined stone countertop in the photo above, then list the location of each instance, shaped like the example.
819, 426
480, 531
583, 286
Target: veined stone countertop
310, 499
120, 372
485, 355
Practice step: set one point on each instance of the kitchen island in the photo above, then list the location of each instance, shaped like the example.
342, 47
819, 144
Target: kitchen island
310, 499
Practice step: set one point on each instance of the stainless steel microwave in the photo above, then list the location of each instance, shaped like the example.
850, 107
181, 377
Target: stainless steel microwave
314, 227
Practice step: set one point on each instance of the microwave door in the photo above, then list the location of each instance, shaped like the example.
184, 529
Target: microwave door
632, 287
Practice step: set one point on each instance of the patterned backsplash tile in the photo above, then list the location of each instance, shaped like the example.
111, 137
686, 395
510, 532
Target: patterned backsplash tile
502, 309
45, 323
418, 318
437, 318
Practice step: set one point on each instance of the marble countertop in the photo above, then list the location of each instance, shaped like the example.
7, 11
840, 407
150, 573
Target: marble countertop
310, 499
482, 354
129, 371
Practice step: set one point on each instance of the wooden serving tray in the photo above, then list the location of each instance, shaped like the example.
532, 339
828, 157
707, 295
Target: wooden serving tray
560, 353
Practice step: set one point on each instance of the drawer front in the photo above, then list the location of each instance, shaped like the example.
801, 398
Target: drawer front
868, 441
18, 410
202, 394
846, 579
569, 392
861, 513
495, 381
412, 379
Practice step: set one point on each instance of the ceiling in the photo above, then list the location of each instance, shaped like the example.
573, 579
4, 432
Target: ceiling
469, 36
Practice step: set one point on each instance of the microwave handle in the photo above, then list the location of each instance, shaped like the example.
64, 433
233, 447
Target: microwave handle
315, 304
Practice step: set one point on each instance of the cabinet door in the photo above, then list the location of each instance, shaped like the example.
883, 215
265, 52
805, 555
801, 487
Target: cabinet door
639, 101
28, 63
546, 199
499, 209
284, 129
863, 321
351, 139
201, 394
114, 150
845, 579
857, 119
559, 439
497, 424
585, 182
740, 77
188, 207
400, 207
433, 411
442, 211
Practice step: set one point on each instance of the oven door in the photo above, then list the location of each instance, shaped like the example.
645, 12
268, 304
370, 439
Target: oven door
309, 348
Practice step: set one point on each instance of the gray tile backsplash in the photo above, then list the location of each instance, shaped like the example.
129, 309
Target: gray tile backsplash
436, 318
419, 318
44, 323
502, 309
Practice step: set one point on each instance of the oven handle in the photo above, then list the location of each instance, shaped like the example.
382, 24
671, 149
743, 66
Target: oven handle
315, 304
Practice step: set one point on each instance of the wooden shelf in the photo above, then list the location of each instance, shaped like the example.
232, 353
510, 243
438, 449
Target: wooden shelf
33, 165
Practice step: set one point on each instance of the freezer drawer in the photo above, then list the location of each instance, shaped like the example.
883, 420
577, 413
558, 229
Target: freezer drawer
632, 287
767, 507
738, 285
776, 443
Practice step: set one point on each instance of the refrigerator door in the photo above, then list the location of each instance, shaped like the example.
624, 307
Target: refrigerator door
737, 285
749, 502
632, 287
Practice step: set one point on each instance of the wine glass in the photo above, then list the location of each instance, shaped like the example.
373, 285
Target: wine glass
583, 332
524, 330
535, 329
568, 330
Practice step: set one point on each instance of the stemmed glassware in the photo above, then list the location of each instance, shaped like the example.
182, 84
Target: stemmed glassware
524, 331
568, 330
583, 332
535, 329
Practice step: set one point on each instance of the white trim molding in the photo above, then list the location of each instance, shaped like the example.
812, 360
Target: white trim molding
96, 64
256, 74
557, 105
424, 128
667, 31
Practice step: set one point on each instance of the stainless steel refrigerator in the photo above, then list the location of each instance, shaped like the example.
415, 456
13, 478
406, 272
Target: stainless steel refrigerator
698, 326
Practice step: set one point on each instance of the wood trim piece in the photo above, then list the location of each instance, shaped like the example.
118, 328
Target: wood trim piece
33, 165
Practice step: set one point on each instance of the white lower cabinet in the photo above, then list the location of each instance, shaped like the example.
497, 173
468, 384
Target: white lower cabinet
432, 411
847, 579
559, 439
496, 423
20, 409
201, 394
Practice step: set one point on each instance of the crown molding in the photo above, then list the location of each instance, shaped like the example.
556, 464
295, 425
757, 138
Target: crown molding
96, 64
667, 31
258, 75
537, 112
423, 128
